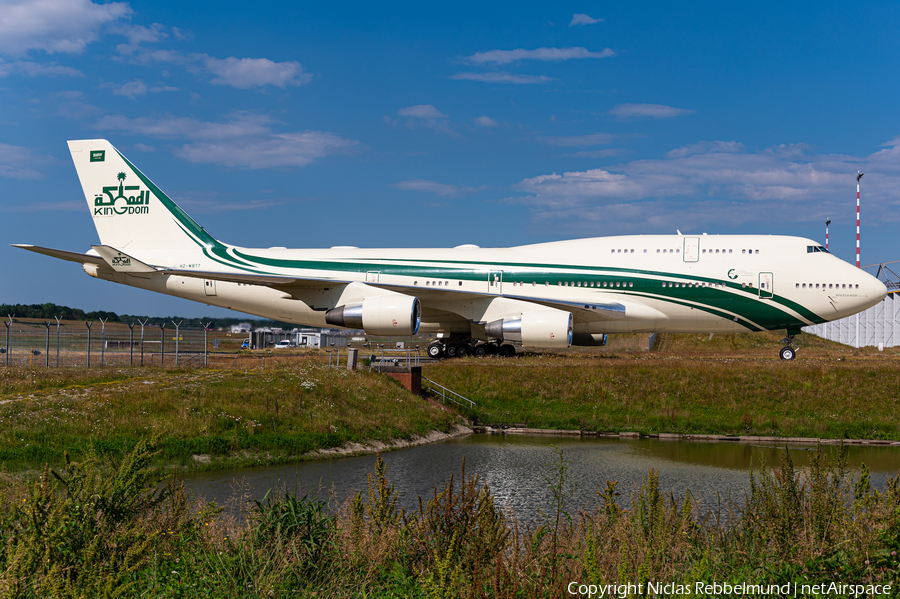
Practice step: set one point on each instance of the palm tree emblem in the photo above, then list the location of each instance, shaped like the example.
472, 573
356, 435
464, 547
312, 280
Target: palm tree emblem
121, 178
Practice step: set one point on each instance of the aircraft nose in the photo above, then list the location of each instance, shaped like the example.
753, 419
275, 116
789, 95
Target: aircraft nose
879, 289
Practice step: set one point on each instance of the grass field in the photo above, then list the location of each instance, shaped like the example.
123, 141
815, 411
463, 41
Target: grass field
730, 384
225, 417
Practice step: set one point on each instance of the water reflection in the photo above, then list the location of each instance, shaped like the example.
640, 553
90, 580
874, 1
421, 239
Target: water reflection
518, 470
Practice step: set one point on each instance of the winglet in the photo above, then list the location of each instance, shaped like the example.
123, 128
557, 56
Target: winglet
120, 261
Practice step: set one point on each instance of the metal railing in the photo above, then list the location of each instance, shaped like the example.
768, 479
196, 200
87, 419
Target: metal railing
410, 357
446, 394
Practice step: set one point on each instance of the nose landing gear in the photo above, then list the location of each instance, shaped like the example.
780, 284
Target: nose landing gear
789, 351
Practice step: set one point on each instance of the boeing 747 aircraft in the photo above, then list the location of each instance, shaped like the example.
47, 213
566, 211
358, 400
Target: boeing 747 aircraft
547, 295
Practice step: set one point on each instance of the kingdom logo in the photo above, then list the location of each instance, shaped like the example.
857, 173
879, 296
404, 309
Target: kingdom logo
129, 204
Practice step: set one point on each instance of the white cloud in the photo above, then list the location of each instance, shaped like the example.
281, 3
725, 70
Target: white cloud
486, 121
66, 26
422, 111
503, 77
583, 19
144, 148
137, 35
132, 89
206, 202
656, 111
243, 141
599, 153
545, 54
580, 141
244, 73
163, 88
427, 116
718, 184
18, 162
182, 34
441, 189
33, 69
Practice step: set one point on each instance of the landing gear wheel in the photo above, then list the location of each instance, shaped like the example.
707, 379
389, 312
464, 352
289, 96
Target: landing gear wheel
480, 351
507, 351
451, 351
787, 353
435, 350
462, 350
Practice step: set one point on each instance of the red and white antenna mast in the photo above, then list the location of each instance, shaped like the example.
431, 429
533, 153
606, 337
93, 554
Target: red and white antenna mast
827, 222
859, 176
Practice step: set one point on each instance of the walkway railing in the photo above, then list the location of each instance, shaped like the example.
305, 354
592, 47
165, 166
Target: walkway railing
393, 357
446, 394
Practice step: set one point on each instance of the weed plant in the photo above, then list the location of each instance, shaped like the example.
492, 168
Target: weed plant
101, 530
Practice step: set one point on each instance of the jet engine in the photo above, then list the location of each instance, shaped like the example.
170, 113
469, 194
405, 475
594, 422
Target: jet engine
541, 328
392, 314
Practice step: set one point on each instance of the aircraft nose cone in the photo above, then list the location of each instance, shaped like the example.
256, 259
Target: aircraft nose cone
878, 289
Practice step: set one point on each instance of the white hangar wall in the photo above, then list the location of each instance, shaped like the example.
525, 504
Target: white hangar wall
878, 325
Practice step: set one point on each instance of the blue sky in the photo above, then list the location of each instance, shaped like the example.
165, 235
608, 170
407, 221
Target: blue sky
437, 124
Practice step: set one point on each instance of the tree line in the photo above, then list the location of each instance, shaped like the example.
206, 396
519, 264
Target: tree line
50, 312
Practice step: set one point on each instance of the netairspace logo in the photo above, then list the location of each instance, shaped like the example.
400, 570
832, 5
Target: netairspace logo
725, 589
129, 204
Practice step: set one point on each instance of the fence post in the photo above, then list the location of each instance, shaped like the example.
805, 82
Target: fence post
57, 340
103, 341
142, 341
89, 325
8, 324
206, 344
47, 347
177, 326
131, 345
162, 344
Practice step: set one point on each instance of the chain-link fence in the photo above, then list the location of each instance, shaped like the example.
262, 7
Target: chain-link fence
98, 343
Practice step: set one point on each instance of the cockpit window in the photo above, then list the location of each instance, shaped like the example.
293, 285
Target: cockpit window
816, 248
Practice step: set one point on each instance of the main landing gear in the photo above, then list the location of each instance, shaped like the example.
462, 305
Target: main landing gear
462, 347
789, 351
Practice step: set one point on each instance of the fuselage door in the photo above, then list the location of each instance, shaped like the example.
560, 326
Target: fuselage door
691, 249
495, 282
209, 286
765, 285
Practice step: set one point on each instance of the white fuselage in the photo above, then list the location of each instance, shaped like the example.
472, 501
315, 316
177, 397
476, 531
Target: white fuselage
708, 283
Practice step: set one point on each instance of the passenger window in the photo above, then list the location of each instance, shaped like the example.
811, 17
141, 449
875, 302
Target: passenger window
677, 251
631, 284
797, 286
729, 251
632, 251
743, 251
612, 251
757, 251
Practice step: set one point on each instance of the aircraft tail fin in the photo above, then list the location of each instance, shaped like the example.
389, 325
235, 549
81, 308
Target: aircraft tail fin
130, 211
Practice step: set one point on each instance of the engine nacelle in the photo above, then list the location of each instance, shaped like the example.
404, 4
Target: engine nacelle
541, 328
392, 314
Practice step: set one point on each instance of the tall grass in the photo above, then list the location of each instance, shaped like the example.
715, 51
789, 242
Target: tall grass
220, 416
95, 531
696, 393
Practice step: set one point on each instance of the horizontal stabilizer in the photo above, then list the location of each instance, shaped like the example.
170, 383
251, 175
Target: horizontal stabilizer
62, 254
121, 262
